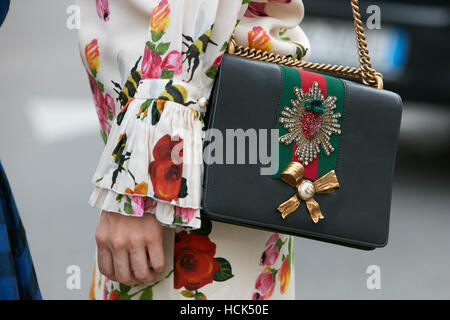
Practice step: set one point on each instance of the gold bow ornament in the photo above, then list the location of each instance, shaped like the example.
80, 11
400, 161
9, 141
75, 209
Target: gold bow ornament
306, 189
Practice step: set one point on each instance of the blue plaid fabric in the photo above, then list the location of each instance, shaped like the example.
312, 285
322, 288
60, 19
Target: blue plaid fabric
17, 276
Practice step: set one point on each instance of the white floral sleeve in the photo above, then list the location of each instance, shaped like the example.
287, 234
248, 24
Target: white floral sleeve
151, 91
273, 25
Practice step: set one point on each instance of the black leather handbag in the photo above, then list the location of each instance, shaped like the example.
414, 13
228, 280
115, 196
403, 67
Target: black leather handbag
335, 147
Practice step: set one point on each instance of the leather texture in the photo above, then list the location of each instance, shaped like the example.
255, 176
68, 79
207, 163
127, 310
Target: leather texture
247, 95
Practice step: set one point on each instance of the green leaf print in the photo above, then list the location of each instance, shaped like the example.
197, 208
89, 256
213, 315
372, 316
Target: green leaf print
150, 45
281, 34
110, 115
104, 136
124, 288
162, 48
167, 74
142, 113
187, 294
196, 295
290, 250
205, 228
156, 36
274, 274
124, 296
183, 189
93, 72
224, 273
224, 46
100, 86
178, 221
155, 113
127, 207
147, 294
212, 72
200, 296
279, 244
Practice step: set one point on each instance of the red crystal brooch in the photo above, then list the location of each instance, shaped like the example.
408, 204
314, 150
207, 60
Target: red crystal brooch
310, 122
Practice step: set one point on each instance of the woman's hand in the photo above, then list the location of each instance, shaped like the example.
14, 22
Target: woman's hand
130, 249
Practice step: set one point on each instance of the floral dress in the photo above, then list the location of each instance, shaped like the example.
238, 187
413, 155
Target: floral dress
151, 65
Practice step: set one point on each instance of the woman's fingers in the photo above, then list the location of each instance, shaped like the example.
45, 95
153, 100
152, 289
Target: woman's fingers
125, 246
105, 262
154, 243
140, 265
156, 254
122, 267
104, 255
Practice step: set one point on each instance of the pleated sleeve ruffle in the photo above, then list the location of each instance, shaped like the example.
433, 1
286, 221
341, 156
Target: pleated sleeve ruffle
152, 162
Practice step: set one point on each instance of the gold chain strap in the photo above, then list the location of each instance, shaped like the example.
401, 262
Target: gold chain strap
366, 73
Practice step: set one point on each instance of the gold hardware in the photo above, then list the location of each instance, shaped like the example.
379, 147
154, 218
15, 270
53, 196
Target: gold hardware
366, 73
306, 189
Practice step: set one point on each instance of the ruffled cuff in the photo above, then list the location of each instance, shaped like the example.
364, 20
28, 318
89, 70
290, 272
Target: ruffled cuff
137, 206
152, 163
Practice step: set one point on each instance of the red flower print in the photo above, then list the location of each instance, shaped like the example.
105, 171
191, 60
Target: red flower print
264, 285
186, 214
113, 295
105, 297
91, 51
164, 148
96, 93
259, 39
111, 105
166, 179
271, 251
194, 263
151, 65
100, 105
165, 173
173, 61
218, 61
137, 203
212, 71
102, 9
285, 275
149, 205
256, 9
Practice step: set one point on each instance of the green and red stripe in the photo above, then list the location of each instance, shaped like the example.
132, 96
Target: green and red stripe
329, 86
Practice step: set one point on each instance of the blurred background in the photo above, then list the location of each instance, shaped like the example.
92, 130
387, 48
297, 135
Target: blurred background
50, 145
